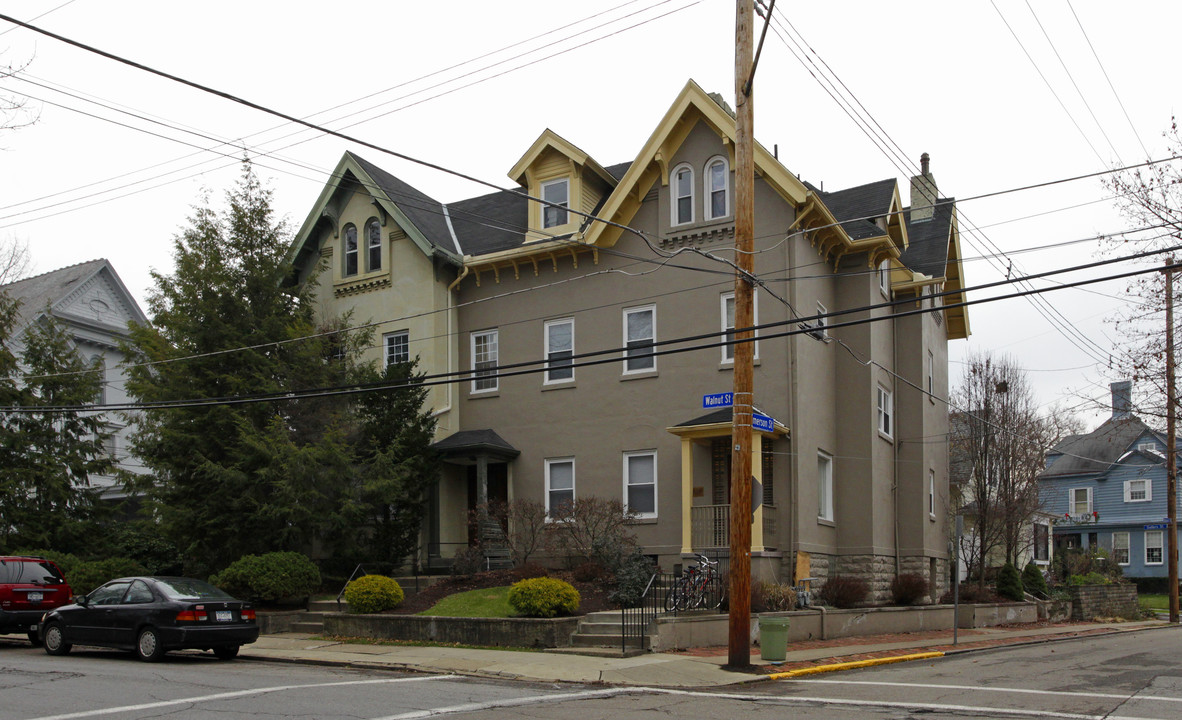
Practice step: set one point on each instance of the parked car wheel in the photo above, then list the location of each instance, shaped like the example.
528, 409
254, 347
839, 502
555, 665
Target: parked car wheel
226, 652
55, 641
148, 647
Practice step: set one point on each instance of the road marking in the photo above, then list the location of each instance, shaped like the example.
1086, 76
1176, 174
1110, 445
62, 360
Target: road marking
514, 702
1106, 696
231, 695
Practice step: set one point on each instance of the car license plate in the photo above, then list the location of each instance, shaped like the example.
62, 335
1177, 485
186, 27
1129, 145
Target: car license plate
36, 597
223, 615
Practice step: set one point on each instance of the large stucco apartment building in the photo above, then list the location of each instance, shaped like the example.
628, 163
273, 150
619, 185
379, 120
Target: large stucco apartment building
852, 480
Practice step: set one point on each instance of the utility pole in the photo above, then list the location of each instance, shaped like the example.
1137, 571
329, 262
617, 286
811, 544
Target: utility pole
1171, 450
739, 630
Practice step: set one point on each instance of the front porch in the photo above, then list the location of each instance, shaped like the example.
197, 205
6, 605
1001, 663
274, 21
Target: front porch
705, 485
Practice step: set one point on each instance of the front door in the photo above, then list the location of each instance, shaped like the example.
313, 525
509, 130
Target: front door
498, 491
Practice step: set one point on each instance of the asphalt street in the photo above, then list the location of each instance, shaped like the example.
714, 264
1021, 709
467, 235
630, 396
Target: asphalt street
1136, 675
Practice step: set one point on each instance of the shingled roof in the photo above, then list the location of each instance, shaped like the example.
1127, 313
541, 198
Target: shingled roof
927, 249
36, 292
1094, 452
857, 207
425, 212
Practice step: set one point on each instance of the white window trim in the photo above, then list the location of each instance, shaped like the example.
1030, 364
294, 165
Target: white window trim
885, 412
573, 479
884, 278
627, 312
729, 328
370, 245
932, 494
1071, 500
708, 191
345, 252
931, 376
1128, 548
1034, 548
546, 350
1161, 538
1147, 446
496, 380
820, 330
655, 483
386, 344
542, 207
674, 220
825, 487
1129, 490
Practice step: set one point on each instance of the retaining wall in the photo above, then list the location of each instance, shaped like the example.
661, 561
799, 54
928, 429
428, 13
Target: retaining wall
507, 632
1093, 601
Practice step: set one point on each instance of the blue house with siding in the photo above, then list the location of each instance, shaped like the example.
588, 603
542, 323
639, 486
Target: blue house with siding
1107, 489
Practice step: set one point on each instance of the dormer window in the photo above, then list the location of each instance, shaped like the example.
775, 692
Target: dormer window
557, 193
683, 195
350, 267
373, 245
717, 189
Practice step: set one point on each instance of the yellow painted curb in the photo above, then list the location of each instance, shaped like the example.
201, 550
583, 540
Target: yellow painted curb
852, 665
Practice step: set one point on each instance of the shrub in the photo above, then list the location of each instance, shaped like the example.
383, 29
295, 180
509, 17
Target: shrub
772, 597
86, 576
632, 577
843, 592
593, 528
543, 597
529, 570
1033, 580
468, 560
590, 571
1091, 578
908, 588
1009, 583
270, 577
373, 593
971, 593
64, 560
145, 546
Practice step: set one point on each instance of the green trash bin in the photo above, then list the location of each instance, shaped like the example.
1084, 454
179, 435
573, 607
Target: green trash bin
773, 638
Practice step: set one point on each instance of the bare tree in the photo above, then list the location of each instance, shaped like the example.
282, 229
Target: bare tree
999, 444
15, 111
14, 260
1150, 199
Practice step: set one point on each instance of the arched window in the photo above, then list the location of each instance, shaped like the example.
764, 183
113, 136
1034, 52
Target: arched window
681, 192
350, 266
373, 245
718, 201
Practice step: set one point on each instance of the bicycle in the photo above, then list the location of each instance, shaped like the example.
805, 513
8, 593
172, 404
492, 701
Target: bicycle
698, 587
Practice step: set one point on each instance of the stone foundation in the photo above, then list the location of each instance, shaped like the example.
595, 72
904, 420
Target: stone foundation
878, 571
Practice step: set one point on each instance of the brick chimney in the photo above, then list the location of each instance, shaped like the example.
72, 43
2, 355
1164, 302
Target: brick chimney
1122, 398
923, 192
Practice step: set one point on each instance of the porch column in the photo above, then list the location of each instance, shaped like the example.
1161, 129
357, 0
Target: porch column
482, 498
757, 441
687, 495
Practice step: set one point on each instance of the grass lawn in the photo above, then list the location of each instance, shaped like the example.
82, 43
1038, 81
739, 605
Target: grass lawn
488, 602
1154, 601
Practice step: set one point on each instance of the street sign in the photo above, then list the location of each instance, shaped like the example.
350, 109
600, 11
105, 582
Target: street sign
763, 422
718, 400
1157, 527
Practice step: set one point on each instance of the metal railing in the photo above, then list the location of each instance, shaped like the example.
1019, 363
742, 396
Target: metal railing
710, 526
635, 619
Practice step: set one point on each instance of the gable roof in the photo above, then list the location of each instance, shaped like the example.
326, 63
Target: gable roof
928, 251
1095, 452
57, 290
421, 217
856, 207
550, 140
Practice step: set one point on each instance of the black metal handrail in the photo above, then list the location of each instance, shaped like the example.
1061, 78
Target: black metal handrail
352, 577
636, 618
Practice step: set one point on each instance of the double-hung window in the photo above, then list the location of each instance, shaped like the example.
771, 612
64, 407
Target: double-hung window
717, 190
484, 361
885, 411
373, 246
819, 330
556, 193
682, 190
932, 493
824, 486
560, 486
1120, 548
1042, 542
1153, 547
397, 347
350, 266
560, 347
931, 376
728, 324
640, 482
884, 278
1081, 501
1138, 490
640, 332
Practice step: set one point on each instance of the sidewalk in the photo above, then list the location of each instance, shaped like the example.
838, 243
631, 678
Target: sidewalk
695, 667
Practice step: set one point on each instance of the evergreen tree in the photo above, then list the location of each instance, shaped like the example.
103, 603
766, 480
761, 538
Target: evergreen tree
231, 479
49, 455
1009, 583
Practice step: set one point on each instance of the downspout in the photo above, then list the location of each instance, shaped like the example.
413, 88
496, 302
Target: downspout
898, 439
794, 413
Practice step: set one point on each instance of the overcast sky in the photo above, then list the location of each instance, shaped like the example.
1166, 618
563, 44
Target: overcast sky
117, 157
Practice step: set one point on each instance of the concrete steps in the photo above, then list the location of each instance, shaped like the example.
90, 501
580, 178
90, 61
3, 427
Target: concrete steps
604, 630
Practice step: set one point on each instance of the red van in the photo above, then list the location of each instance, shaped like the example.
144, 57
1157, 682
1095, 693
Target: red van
29, 588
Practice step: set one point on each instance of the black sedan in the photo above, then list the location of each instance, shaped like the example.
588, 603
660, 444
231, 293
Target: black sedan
150, 616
